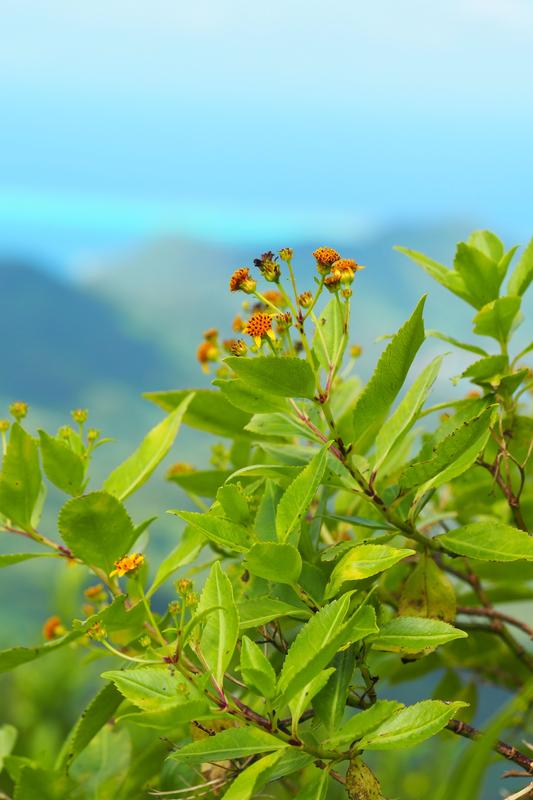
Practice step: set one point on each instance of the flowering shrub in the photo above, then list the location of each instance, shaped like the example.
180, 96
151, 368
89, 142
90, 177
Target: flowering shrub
343, 542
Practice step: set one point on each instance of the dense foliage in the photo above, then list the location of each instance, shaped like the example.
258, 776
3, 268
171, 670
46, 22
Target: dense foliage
342, 543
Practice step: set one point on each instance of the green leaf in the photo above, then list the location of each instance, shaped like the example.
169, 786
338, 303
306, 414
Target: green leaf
8, 737
330, 703
480, 274
16, 558
256, 669
302, 699
281, 376
219, 530
407, 412
362, 561
263, 426
329, 335
16, 656
62, 466
252, 778
411, 725
448, 278
498, 318
249, 398
488, 243
451, 456
362, 723
229, 744
20, 479
202, 482
523, 272
376, 399
489, 541
156, 688
220, 633
316, 787
299, 495
234, 503
132, 473
318, 641
208, 411
414, 635
486, 368
186, 551
279, 563
256, 613
363, 522
93, 718
97, 529
471, 348
36, 782
428, 592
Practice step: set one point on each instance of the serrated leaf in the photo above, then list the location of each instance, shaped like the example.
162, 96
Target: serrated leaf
448, 278
411, 725
208, 411
488, 243
219, 530
330, 703
97, 528
282, 376
480, 274
156, 688
20, 479
256, 669
376, 399
62, 466
93, 718
486, 368
498, 318
362, 723
280, 563
221, 630
428, 592
129, 476
252, 778
302, 699
471, 348
414, 635
299, 495
330, 335
45, 784
407, 412
362, 561
523, 272
229, 744
489, 541
452, 455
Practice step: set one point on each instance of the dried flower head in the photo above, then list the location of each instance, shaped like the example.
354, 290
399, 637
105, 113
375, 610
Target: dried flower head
127, 564
237, 347
268, 266
305, 299
258, 326
284, 321
325, 257
286, 254
18, 410
333, 282
207, 351
4, 425
53, 628
242, 281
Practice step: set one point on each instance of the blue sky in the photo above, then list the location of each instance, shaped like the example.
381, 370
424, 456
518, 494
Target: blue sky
224, 119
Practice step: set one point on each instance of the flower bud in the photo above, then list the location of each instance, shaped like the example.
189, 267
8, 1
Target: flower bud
79, 415
237, 347
93, 435
286, 254
268, 266
18, 410
305, 299
183, 586
4, 425
333, 282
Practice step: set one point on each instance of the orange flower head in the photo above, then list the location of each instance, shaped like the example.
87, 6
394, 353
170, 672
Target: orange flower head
284, 321
305, 299
236, 347
258, 326
325, 258
127, 564
95, 592
275, 297
180, 468
206, 352
53, 628
242, 281
473, 394
238, 324
210, 334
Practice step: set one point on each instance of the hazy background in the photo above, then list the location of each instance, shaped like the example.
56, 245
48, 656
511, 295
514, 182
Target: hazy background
149, 148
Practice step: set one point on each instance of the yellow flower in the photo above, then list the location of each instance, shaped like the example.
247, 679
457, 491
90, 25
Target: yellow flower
333, 282
347, 267
180, 468
79, 415
127, 564
258, 326
305, 299
235, 346
19, 409
205, 353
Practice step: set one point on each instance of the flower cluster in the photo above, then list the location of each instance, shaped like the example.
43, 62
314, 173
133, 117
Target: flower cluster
127, 564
